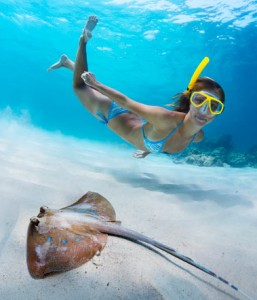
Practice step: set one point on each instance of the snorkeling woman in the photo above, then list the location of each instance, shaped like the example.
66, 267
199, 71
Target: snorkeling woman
152, 129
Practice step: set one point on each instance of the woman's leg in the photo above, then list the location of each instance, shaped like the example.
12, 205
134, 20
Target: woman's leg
64, 61
94, 101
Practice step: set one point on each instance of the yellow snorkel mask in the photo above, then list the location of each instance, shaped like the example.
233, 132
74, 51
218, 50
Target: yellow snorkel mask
201, 98
196, 74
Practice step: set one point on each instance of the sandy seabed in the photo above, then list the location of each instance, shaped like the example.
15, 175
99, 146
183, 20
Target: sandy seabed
208, 214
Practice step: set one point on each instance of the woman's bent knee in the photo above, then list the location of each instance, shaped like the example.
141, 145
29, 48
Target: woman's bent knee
78, 85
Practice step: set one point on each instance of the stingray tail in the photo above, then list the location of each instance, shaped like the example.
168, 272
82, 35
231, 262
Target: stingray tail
200, 267
133, 235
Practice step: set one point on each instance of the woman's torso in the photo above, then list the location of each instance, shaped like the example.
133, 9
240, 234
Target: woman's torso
134, 130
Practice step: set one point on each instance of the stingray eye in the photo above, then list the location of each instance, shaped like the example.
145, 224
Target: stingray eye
43, 209
34, 221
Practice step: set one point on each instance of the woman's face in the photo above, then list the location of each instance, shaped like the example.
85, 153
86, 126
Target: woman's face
202, 115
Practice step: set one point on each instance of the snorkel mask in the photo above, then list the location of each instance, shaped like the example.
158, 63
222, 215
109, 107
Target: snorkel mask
206, 101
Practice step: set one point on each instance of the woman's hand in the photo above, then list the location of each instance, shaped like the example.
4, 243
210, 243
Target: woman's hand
140, 154
89, 78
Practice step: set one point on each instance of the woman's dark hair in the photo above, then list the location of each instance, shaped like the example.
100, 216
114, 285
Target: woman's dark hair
182, 100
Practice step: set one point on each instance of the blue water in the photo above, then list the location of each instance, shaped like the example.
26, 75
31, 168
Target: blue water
146, 49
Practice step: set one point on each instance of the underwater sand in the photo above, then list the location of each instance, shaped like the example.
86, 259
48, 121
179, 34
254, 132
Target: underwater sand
208, 214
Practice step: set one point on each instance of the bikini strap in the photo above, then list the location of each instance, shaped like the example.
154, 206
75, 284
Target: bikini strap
166, 137
193, 138
173, 131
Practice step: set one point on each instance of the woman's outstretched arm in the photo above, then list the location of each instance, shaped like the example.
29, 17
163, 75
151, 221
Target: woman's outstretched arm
153, 114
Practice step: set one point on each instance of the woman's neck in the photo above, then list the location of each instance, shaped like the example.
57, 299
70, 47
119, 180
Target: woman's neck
189, 128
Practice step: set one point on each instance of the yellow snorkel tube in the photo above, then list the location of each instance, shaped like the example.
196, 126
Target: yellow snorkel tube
196, 74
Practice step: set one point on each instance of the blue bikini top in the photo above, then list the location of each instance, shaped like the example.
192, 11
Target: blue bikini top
157, 146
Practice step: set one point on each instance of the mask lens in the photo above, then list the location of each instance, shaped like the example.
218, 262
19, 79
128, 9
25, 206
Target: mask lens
198, 99
216, 106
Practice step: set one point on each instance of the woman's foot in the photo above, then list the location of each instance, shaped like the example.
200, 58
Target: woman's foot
64, 61
90, 25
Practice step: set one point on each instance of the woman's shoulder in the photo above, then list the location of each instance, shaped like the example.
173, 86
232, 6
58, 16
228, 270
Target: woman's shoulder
177, 116
172, 118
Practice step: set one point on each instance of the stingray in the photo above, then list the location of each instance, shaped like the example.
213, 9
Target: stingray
64, 239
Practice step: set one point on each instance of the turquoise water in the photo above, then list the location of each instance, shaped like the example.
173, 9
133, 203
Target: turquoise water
146, 49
